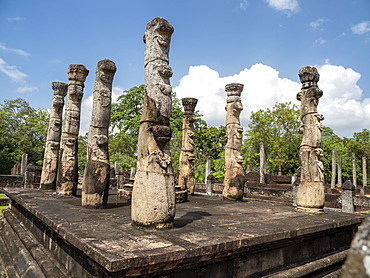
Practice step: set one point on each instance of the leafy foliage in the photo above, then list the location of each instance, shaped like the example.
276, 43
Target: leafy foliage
23, 129
277, 128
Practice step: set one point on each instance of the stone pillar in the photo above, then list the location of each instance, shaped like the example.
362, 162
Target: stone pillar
234, 180
29, 176
333, 167
339, 172
132, 173
24, 163
262, 163
67, 177
208, 169
311, 191
50, 164
186, 161
153, 195
209, 185
364, 176
248, 168
348, 191
95, 185
354, 174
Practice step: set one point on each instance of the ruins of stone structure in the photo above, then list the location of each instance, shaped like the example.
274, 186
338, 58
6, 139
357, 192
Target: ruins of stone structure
153, 196
50, 164
186, 161
67, 177
310, 195
95, 185
234, 180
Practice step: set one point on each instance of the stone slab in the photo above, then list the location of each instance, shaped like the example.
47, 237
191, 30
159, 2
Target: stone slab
207, 232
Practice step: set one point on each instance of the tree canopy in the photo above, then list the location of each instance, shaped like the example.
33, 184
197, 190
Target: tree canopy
23, 129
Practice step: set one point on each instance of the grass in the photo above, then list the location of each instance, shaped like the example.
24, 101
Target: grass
3, 196
1, 209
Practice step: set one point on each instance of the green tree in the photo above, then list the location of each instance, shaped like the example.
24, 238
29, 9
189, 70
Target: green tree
277, 128
23, 130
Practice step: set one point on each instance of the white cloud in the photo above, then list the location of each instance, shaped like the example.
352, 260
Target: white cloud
361, 28
18, 51
262, 89
316, 24
26, 89
12, 72
243, 5
17, 18
86, 109
342, 105
284, 5
320, 41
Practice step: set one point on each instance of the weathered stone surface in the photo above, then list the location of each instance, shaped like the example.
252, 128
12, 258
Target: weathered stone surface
50, 164
212, 239
96, 177
310, 195
357, 264
153, 196
24, 163
186, 161
67, 177
29, 176
234, 180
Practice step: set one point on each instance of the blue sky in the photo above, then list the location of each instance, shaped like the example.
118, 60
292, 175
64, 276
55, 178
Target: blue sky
261, 44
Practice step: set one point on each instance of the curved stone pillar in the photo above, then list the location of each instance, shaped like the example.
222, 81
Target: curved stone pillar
67, 178
50, 164
95, 185
310, 194
153, 195
234, 180
186, 165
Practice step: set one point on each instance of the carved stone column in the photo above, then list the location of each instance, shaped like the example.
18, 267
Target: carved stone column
50, 164
186, 165
153, 196
95, 185
310, 195
67, 178
234, 180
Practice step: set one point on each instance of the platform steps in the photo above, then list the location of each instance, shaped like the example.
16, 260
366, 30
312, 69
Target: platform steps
329, 266
21, 255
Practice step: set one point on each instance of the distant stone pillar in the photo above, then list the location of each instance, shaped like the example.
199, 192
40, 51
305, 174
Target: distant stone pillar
364, 176
209, 185
248, 168
311, 191
339, 172
29, 176
50, 164
132, 173
208, 169
348, 191
262, 163
24, 163
67, 178
333, 167
354, 174
95, 185
234, 180
186, 161
153, 195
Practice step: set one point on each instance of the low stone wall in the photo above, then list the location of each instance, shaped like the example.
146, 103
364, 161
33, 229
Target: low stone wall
11, 181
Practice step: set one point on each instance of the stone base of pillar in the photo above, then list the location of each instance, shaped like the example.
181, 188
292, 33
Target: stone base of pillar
93, 200
310, 210
47, 186
311, 195
153, 200
66, 188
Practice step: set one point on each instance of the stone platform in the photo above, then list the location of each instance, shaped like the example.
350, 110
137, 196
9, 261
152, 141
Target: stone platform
211, 238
